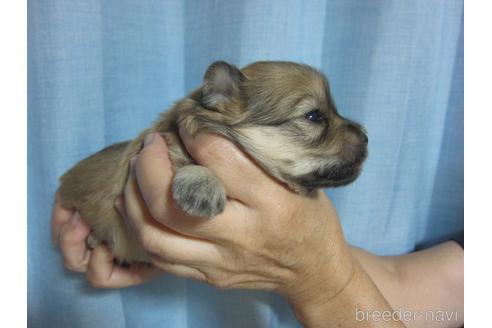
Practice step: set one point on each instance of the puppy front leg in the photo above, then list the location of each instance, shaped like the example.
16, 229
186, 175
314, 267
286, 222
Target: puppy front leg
198, 191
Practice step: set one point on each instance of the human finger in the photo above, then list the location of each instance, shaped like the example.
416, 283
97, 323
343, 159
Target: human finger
72, 241
103, 272
159, 239
59, 216
154, 175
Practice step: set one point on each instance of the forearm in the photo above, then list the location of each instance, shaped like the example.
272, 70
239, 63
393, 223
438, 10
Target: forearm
425, 287
358, 304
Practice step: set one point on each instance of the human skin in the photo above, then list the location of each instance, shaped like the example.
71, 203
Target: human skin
267, 238
426, 284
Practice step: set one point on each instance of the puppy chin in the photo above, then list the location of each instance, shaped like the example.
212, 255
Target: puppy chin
334, 177
337, 175
341, 176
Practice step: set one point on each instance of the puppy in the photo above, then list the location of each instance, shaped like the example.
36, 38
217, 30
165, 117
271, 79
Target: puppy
280, 113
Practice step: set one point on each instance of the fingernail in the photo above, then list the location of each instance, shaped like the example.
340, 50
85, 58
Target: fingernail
149, 138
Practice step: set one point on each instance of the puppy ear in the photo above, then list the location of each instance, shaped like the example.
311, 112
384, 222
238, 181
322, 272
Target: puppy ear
221, 83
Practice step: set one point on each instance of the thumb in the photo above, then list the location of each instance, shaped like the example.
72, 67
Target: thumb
154, 174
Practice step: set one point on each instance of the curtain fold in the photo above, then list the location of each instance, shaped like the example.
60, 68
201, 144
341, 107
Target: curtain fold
101, 71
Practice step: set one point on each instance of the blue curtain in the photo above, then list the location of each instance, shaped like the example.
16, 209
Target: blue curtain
101, 71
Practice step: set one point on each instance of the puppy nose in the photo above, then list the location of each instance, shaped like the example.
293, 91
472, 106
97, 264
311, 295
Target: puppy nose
358, 133
365, 139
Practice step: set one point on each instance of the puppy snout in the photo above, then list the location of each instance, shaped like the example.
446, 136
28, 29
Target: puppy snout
356, 134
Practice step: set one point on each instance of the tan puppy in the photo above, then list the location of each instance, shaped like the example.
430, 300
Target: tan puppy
280, 113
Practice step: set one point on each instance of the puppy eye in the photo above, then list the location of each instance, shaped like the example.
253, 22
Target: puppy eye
315, 116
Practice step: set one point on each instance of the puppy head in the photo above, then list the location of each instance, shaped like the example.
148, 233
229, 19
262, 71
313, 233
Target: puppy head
283, 115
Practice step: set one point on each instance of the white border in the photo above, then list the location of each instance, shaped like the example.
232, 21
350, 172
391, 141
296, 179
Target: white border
13, 114
478, 164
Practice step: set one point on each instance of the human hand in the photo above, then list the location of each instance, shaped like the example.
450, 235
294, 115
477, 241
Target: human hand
268, 237
70, 231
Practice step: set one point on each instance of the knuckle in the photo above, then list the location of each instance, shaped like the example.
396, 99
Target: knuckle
223, 284
69, 265
95, 281
73, 236
219, 281
141, 232
146, 244
147, 240
67, 241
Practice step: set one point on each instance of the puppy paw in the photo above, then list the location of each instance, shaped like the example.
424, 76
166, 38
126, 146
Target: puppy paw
198, 191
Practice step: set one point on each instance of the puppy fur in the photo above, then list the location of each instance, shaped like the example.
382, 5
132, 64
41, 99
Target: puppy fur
280, 113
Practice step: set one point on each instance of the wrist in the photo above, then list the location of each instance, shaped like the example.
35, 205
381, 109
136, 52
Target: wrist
322, 283
332, 289
358, 304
